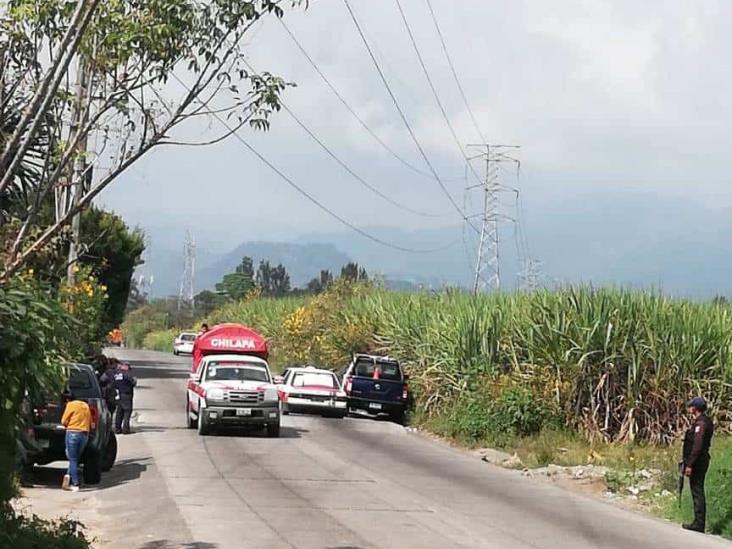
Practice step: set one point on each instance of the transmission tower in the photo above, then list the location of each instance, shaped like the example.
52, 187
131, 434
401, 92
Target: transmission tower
487, 265
529, 277
185, 296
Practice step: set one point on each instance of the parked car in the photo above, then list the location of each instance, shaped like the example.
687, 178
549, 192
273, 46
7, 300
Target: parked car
312, 390
183, 344
49, 434
376, 385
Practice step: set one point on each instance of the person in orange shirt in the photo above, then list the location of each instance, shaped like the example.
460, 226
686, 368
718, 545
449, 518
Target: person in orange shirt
77, 419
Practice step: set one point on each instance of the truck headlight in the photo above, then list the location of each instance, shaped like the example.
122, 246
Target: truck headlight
215, 394
271, 395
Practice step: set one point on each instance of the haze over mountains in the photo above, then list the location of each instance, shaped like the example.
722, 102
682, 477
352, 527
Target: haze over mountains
629, 239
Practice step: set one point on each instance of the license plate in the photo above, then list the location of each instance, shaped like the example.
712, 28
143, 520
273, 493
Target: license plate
374, 406
243, 411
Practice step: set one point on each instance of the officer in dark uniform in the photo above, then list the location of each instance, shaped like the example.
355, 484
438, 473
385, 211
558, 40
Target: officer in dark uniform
697, 441
106, 382
124, 383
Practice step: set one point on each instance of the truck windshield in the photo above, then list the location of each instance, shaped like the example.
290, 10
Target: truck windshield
233, 371
310, 378
386, 370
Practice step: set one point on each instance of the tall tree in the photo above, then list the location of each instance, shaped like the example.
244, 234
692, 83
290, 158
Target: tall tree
132, 54
352, 272
113, 251
321, 283
237, 284
272, 281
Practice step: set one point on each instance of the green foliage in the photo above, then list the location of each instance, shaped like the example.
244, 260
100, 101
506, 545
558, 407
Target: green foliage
272, 281
33, 331
112, 251
235, 285
161, 340
23, 532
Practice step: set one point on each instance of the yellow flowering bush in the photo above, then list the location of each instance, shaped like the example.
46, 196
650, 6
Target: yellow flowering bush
85, 300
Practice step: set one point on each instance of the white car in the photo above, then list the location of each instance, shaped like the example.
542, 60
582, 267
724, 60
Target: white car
232, 390
183, 344
312, 390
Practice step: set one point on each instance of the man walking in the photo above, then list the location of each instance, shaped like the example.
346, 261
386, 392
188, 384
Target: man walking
697, 441
124, 383
77, 419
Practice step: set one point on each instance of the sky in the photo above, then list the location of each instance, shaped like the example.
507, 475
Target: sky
607, 98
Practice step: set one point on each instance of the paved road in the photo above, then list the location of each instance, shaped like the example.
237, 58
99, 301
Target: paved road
331, 483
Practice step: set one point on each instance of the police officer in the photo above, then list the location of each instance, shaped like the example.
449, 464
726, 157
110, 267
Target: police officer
697, 441
124, 383
107, 383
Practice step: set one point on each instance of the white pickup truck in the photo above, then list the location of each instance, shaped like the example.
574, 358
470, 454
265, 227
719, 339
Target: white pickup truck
232, 390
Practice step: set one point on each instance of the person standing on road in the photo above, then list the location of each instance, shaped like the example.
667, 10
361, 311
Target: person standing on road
77, 419
696, 458
106, 382
125, 384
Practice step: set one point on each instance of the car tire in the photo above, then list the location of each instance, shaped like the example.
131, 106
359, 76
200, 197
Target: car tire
273, 430
92, 467
192, 423
175, 353
203, 427
110, 453
397, 417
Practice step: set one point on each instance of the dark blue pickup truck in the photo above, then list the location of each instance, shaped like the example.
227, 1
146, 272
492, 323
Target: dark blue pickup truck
377, 385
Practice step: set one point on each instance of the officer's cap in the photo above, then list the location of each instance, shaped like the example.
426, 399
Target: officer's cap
698, 403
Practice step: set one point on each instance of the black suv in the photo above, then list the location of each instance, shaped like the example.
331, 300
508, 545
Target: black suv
49, 435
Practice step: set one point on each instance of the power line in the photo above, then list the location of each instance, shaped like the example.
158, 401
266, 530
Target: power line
357, 177
350, 109
346, 166
303, 192
434, 89
454, 73
404, 118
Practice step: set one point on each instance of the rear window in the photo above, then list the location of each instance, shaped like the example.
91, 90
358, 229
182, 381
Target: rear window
82, 383
386, 370
187, 337
324, 379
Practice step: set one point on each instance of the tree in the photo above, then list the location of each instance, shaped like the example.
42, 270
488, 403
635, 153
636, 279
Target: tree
206, 301
113, 251
353, 273
272, 281
319, 284
128, 57
237, 284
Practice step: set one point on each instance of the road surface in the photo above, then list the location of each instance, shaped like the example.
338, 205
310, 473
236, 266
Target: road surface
329, 483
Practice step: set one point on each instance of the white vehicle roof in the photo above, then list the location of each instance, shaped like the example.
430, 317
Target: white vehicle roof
235, 358
310, 370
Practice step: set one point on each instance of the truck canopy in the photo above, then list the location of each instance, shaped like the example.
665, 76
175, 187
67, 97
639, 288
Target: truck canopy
229, 339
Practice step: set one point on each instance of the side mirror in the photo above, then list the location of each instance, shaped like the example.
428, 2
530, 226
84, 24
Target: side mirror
278, 380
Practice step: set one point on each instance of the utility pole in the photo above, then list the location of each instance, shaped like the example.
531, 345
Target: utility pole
81, 174
487, 266
185, 296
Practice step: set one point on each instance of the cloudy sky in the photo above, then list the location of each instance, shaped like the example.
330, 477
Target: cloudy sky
604, 96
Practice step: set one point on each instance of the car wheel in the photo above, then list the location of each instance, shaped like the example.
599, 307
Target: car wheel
273, 430
110, 453
192, 423
175, 353
397, 417
203, 426
92, 467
